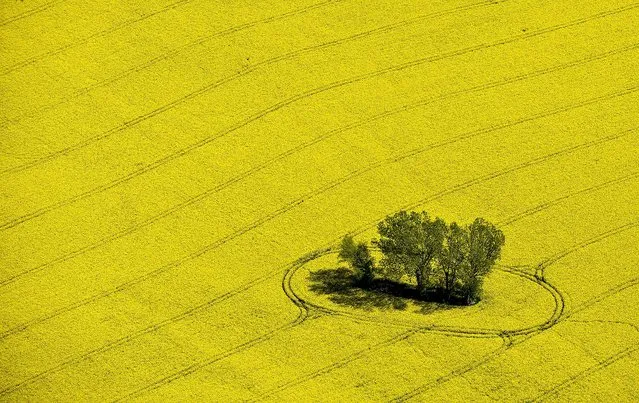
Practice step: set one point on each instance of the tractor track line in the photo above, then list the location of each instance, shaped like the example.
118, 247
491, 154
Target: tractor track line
116, 27
150, 329
611, 292
188, 313
559, 301
152, 274
199, 365
505, 335
290, 206
336, 365
546, 204
503, 172
553, 392
273, 108
165, 56
292, 151
184, 372
531, 331
287, 102
441, 329
28, 13
506, 345
605, 322
561, 255
290, 55
598, 238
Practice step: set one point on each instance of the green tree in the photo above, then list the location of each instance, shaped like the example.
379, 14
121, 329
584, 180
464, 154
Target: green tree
410, 242
453, 259
363, 264
485, 243
347, 249
358, 256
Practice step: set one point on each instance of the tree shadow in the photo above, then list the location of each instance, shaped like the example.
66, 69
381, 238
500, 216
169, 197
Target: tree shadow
342, 287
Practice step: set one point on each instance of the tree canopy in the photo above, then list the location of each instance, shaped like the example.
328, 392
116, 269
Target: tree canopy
449, 260
360, 259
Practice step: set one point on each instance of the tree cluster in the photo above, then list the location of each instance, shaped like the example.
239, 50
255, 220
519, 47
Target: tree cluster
446, 260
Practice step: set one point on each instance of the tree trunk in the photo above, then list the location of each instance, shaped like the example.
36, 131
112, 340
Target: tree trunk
419, 276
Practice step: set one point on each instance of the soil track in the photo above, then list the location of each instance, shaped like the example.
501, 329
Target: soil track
557, 316
29, 13
250, 172
281, 104
260, 65
450, 330
563, 317
116, 27
404, 108
304, 314
265, 112
289, 206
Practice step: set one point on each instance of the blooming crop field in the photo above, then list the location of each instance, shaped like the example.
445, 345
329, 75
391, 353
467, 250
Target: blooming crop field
176, 174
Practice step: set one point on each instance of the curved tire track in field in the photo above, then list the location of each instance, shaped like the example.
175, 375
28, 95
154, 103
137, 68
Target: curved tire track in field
273, 108
559, 314
260, 65
150, 329
29, 13
553, 391
170, 157
454, 331
304, 313
187, 314
116, 27
294, 150
528, 332
615, 290
327, 187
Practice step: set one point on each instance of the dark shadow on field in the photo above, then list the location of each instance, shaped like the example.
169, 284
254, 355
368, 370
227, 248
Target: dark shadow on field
342, 287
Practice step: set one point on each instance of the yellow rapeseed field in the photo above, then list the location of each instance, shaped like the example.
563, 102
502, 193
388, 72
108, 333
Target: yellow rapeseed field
175, 176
